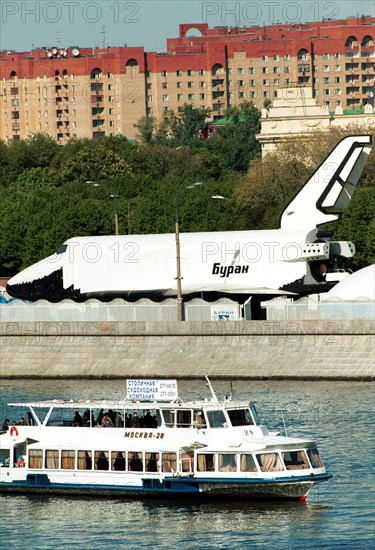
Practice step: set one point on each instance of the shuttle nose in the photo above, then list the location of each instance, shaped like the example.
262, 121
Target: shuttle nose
29, 286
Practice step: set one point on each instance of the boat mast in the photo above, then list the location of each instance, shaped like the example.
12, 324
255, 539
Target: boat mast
214, 398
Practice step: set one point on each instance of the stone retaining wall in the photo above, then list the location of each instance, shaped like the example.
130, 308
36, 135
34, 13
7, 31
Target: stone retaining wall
232, 349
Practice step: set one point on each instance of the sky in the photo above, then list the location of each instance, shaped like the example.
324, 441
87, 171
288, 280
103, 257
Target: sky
27, 24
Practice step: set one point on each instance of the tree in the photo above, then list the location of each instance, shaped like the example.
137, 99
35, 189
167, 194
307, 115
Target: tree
235, 144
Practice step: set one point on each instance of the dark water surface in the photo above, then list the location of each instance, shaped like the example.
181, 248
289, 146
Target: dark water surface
337, 514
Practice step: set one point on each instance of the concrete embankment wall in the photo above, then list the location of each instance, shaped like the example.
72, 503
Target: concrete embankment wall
232, 349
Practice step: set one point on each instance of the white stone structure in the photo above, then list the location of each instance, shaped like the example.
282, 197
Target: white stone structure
294, 112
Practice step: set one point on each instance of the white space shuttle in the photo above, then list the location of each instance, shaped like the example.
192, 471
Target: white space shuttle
290, 260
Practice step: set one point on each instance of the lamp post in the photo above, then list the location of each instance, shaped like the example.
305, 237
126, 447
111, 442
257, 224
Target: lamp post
178, 254
113, 196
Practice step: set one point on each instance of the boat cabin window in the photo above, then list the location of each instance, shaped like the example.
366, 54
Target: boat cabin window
199, 421
135, 462
52, 459
247, 463
205, 462
101, 460
169, 462
63, 248
68, 459
5, 458
35, 458
118, 462
295, 460
315, 459
240, 417
216, 419
269, 462
187, 462
227, 462
180, 418
152, 462
84, 461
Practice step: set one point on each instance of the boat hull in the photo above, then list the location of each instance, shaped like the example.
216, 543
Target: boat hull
173, 488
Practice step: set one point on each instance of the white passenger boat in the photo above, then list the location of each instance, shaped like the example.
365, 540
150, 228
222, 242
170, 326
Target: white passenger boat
153, 444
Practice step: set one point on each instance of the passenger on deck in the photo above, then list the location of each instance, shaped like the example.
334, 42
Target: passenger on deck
31, 419
147, 420
100, 417
22, 421
77, 420
118, 421
136, 421
5, 426
106, 421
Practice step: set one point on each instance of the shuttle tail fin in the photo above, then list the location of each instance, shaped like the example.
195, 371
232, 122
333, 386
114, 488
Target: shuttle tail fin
330, 188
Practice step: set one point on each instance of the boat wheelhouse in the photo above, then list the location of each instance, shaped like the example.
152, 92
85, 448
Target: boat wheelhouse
155, 447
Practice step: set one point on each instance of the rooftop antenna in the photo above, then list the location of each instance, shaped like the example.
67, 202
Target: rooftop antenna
103, 32
214, 398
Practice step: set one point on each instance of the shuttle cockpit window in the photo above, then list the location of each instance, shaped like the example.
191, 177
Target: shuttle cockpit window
63, 248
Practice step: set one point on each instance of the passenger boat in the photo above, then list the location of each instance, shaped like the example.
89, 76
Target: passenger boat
153, 444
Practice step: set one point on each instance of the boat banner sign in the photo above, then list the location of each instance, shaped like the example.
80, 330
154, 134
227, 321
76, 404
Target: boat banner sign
150, 390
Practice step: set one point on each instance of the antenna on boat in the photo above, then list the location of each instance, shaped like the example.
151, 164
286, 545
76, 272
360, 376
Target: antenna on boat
214, 398
285, 430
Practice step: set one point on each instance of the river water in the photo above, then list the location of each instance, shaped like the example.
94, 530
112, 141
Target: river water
337, 514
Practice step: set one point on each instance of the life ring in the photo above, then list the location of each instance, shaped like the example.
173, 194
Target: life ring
13, 431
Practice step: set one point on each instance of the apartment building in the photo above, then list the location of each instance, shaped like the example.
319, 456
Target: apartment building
84, 92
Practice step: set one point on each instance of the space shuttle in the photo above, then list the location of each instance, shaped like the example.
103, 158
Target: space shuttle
291, 260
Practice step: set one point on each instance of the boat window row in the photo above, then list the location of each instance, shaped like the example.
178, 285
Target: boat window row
136, 461
139, 418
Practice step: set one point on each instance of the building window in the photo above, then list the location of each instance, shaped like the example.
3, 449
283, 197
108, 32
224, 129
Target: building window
180, 97
266, 94
165, 97
202, 84
202, 96
326, 91
251, 82
337, 56
276, 81
265, 58
276, 57
325, 56
337, 68
111, 111
165, 110
276, 70
287, 81
179, 84
178, 73
326, 80
251, 70
164, 85
240, 83
325, 68
109, 75
112, 123
149, 98
266, 82
190, 97
201, 72
190, 72
190, 84
265, 70
240, 70
286, 57
287, 69
240, 95
164, 73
